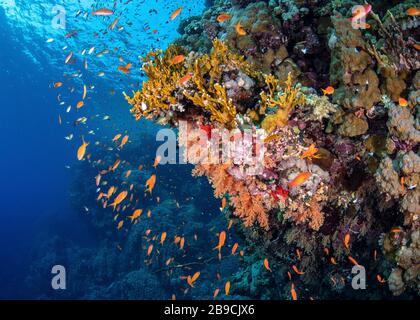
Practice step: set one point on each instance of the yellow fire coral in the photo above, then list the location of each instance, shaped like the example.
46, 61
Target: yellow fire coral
160, 91
285, 102
157, 92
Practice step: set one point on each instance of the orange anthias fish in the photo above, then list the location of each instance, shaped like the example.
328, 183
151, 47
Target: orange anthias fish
380, 279
120, 224
240, 30
116, 138
150, 183
328, 90
223, 17
162, 238
402, 102
103, 12
234, 248
116, 164
352, 260
185, 79
150, 249
227, 288
68, 57
125, 69
82, 150
175, 14
311, 152
181, 243
295, 269
120, 198
222, 239
293, 292
114, 23
98, 179
300, 179
216, 292
157, 160
57, 85
178, 59
413, 12
347, 240
80, 104
136, 214
191, 280
124, 141
266, 265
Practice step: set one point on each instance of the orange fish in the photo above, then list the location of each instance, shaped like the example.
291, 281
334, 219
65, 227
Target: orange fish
68, 58
57, 85
116, 164
240, 30
150, 249
114, 23
150, 183
222, 239
128, 173
380, 279
352, 260
124, 141
310, 152
416, 46
333, 261
120, 224
293, 292
216, 292
110, 192
300, 179
125, 69
223, 205
185, 79
266, 265
136, 214
295, 269
82, 150
227, 288
116, 138
230, 224
178, 59
347, 240
328, 90
298, 254
234, 248
182, 243
157, 160
80, 104
413, 12
98, 179
102, 12
120, 198
289, 275
175, 14
223, 17
162, 238
402, 102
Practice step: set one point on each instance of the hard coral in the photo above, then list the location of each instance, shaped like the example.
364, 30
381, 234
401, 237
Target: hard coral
285, 101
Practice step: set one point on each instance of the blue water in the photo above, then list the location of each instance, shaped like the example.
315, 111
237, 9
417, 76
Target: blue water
38, 167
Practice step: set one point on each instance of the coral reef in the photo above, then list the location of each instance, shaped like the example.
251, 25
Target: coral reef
339, 177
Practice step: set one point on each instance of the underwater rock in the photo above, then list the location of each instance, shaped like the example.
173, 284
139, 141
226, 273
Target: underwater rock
353, 126
351, 68
401, 124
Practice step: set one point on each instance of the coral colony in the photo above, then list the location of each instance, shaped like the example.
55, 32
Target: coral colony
339, 107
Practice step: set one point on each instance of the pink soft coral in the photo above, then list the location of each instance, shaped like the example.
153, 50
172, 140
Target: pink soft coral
248, 207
